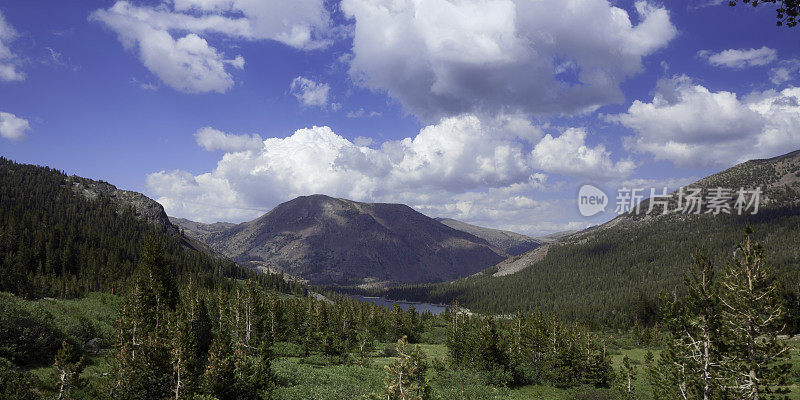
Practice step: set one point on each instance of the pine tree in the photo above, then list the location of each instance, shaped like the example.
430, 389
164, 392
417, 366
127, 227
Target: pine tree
627, 379
752, 312
143, 368
187, 357
405, 378
668, 377
598, 369
220, 374
365, 344
253, 375
690, 366
455, 331
69, 364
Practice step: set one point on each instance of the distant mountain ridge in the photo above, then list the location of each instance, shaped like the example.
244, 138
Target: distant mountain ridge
778, 178
199, 230
511, 243
326, 240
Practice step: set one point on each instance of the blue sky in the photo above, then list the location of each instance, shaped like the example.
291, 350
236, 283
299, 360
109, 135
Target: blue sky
492, 112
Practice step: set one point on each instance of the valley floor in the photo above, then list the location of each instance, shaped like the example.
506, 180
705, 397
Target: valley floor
350, 382
314, 378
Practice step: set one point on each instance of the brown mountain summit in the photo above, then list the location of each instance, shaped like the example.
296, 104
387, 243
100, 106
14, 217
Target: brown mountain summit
327, 240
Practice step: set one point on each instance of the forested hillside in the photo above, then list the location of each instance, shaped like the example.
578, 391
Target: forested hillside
612, 274
64, 236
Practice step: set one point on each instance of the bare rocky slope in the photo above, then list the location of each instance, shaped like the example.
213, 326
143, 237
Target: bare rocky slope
326, 240
511, 243
145, 208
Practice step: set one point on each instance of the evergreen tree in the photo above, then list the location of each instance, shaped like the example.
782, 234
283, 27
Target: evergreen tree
143, 368
752, 312
455, 331
598, 370
405, 378
69, 364
627, 379
220, 374
365, 344
187, 359
254, 377
694, 352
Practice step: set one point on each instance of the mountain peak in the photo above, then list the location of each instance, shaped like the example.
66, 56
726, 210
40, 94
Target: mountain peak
328, 240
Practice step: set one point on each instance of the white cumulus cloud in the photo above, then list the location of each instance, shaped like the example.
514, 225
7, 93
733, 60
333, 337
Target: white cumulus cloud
8, 60
462, 167
212, 139
740, 58
170, 43
568, 154
692, 126
13, 127
442, 57
309, 92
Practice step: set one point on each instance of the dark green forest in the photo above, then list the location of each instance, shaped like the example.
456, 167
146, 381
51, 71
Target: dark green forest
98, 304
613, 276
614, 279
56, 242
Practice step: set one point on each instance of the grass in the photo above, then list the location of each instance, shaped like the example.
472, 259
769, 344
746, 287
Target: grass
335, 382
88, 319
535, 392
95, 313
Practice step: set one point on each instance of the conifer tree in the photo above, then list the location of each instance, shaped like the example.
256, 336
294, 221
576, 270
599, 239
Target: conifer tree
598, 369
405, 378
143, 368
694, 363
752, 313
365, 344
627, 379
69, 364
253, 375
220, 374
187, 359
455, 331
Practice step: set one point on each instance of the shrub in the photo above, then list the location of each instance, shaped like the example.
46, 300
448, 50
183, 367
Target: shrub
389, 350
286, 349
15, 384
27, 337
316, 359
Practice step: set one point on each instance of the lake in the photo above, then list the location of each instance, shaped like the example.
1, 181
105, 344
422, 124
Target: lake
420, 307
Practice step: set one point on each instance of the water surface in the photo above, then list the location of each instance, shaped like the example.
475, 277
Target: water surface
420, 307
